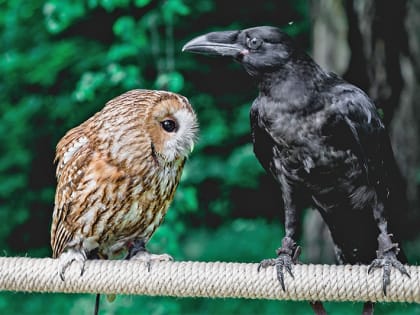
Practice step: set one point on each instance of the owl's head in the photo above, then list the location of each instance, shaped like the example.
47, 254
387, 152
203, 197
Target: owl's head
143, 124
172, 126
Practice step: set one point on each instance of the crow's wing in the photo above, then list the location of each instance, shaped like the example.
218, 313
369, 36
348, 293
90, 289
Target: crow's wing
354, 124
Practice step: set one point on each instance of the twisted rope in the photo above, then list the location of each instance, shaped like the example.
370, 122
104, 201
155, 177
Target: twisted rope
209, 279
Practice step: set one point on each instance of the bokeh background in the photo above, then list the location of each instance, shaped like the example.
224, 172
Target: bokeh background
61, 60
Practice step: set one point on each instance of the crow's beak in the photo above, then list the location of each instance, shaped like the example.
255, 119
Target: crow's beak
215, 43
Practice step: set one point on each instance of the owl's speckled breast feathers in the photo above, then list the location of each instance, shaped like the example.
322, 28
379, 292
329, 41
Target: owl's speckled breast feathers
117, 172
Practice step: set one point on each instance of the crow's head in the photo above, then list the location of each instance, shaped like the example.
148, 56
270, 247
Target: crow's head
260, 49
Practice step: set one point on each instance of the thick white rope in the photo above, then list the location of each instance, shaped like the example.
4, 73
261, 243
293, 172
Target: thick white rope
209, 279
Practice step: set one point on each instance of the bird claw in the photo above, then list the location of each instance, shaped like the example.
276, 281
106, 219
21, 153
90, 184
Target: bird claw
148, 258
386, 261
387, 258
287, 256
283, 261
67, 258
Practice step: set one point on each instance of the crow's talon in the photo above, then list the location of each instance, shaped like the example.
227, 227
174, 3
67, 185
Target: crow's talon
283, 261
287, 255
266, 263
385, 262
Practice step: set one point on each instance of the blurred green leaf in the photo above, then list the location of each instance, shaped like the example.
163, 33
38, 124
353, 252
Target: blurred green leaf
186, 199
86, 87
121, 51
141, 3
13, 183
243, 168
172, 81
111, 5
174, 7
124, 26
60, 14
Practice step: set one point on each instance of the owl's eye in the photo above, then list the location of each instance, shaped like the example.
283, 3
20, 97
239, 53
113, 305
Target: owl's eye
253, 43
169, 125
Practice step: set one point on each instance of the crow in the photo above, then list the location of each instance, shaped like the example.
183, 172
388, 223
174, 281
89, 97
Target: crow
323, 141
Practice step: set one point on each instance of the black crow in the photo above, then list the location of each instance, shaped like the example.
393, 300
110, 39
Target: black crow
323, 141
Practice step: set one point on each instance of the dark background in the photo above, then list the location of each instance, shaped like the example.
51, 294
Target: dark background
61, 60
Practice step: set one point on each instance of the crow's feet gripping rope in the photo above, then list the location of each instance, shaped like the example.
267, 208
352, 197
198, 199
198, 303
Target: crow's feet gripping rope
386, 259
287, 256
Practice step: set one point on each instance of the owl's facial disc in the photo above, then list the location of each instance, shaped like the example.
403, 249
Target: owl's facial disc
180, 131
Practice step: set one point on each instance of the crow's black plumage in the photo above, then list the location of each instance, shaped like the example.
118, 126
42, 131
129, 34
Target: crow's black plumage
323, 141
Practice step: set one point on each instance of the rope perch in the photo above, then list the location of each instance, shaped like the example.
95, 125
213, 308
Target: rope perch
209, 279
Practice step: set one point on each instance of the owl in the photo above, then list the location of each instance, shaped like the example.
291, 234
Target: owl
116, 176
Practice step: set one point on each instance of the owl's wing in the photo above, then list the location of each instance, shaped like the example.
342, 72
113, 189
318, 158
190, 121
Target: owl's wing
73, 155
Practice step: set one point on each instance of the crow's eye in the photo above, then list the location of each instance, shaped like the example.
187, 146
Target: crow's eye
169, 125
253, 43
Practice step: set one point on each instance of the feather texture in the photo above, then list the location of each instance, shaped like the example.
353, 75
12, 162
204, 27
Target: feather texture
118, 171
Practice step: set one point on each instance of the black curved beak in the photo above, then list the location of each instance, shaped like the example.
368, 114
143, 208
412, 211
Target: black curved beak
215, 43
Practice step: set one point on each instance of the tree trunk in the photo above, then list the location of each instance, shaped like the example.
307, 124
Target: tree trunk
375, 45
389, 42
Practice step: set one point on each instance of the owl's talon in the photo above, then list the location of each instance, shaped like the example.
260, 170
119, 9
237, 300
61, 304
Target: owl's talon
67, 258
148, 258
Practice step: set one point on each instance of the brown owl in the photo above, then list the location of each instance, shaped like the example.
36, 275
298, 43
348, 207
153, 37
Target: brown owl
117, 173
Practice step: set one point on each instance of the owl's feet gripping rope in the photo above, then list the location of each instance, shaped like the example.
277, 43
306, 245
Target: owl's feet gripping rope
139, 252
68, 257
287, 256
